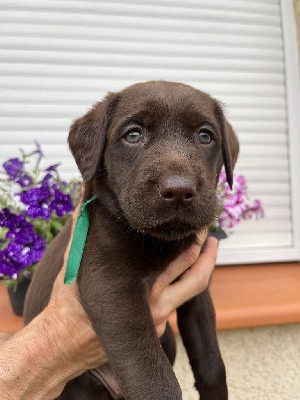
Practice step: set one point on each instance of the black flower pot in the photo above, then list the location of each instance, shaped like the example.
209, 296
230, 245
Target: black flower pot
219, 234
17, 298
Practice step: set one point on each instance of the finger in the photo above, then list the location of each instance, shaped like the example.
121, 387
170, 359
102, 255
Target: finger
194, 280
202, 235
179, 265
175, 269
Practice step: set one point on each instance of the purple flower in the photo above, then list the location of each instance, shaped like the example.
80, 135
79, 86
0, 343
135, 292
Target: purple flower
254, 211
5, 218
24, 181
47, 181
15, 171
18, 256
236, 204
19, 229
21, 233
14, 168
50, 182
25, 247
15, 223
20, 245
62, 203
52, 168
6, 265
38, 200
28, 253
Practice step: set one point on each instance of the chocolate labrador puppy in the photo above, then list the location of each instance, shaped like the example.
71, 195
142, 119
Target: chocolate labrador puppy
152, 154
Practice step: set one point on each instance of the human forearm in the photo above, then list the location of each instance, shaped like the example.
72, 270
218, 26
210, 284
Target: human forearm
40, 369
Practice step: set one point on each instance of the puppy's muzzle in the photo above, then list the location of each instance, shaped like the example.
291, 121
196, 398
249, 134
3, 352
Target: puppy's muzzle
178, 191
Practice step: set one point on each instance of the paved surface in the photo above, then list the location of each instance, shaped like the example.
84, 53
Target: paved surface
261, 363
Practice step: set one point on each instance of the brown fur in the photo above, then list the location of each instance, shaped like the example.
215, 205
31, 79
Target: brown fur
135, 231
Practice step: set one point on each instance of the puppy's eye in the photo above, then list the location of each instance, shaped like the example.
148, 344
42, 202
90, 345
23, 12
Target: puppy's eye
133, 137
205, 135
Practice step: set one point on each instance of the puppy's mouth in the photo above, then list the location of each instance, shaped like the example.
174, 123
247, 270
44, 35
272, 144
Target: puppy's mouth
171, 230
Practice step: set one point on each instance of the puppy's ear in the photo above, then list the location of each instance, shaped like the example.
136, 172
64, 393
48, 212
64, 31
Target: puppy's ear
230, 144
88, 133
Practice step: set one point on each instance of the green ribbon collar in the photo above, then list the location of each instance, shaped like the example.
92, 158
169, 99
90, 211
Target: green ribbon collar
78, 242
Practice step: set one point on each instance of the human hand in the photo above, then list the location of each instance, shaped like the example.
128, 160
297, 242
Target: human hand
194, 270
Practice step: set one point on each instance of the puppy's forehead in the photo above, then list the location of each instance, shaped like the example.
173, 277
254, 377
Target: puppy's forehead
155, 101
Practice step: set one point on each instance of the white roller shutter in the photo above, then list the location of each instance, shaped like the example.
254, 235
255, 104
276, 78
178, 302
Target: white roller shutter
58, 57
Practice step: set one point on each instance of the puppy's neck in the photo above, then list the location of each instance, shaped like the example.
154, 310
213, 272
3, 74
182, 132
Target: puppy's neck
150, 253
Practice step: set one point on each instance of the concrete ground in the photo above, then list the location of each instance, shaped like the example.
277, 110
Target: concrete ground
261, 364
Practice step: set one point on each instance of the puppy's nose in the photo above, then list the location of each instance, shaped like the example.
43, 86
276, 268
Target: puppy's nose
177, 190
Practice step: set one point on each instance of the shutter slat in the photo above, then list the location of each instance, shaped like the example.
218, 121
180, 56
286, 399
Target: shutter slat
137, 9
71, 98
110, 35
149, 21
99, 86
138, 67
92, 48
267, 240
56, 110
79, 98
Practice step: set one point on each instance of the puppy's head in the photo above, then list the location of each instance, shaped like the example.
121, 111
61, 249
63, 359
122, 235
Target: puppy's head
154, 151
